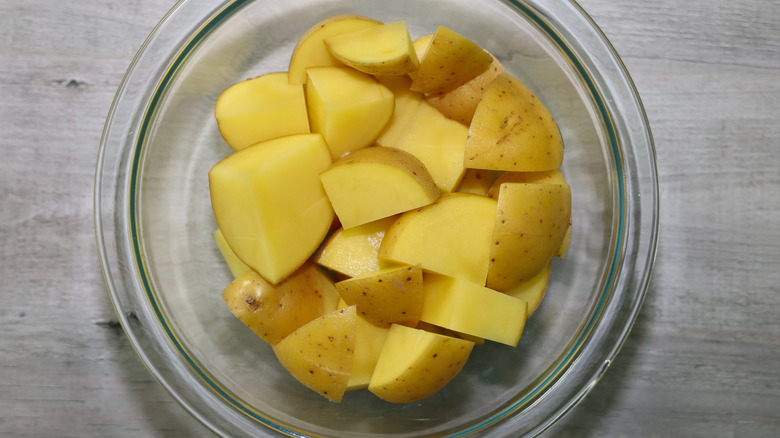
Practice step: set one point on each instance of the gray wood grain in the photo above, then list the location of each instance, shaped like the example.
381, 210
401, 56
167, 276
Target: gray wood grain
702, 359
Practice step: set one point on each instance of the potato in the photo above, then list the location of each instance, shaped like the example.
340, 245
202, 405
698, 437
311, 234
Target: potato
369, 340
349, 108
275, 311
460, 103
439, 143
406, 104
533, 290
449, 61
393, 295
355, 251
415, 364
237, 267
421, 45
451, 303
380, 50
260, 109
452, 236
377, 182
546, 177
320, 353
512, 130
477, 181
310, 51
530, 226
269, 202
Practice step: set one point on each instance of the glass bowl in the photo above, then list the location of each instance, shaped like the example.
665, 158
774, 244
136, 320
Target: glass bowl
165, 274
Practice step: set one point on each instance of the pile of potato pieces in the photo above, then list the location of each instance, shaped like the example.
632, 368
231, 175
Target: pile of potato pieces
390, 204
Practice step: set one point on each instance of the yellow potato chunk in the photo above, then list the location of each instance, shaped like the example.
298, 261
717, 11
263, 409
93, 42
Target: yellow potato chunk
530, 225
392, 295
439, 143
353, 252
512, 130
369, 340
415, 364
564, 248
349, 108
477, 181
377, 182
421, 45
452, 236
311, 51
473, 309
320, 353
269, 202
260, 109
379, 50
546, 177
449, 61
237, 267
460, 103
533, 290
406, 104
275, 311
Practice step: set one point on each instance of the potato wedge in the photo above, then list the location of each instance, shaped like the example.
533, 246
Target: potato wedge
393, 295
349, 108
377, 182
369, 340
415, 364
311, 51
354, 252
460, 103
320, 353
478, 181
406, 104
380, 50
260, 109
269, 202
236, 266
512, 130
449, 61
533, 290
275, 311
451, 303
546, 177
530, 225
439, 143
452, 236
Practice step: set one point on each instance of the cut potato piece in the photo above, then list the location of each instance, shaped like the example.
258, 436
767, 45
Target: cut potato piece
439, 143
533, 290
564, 248
369, 340
406, 104
377, 182
237, 267
461, 103
451, 303
452, 236
347, 107
275, 311
546, 177
269, 202
449, 61
421, 45
379, 50
512, 130
311, 51
353, 252
415, 364
320, 353
260, 109
530, 225
478, 181
393, 295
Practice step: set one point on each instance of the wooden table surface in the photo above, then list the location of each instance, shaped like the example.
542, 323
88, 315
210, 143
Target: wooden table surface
703, 359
